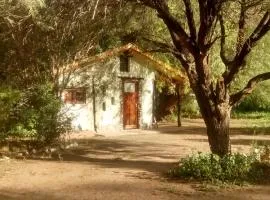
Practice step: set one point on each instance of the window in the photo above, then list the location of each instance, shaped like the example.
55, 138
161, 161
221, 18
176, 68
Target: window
129, 87
124, 63
112, 100
75, 95
104, 106
103, 90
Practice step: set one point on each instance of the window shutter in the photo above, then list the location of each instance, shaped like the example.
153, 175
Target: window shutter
124, 63
75, 96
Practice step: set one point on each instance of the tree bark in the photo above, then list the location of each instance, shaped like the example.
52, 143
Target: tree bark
215, 110
219, 134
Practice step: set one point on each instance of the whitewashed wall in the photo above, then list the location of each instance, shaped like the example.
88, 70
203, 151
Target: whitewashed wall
107, 74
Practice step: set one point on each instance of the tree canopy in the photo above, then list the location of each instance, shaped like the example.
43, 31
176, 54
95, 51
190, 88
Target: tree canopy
39, 37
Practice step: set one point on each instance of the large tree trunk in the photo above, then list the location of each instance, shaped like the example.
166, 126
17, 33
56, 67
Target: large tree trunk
214, 102
218, 134
216, 114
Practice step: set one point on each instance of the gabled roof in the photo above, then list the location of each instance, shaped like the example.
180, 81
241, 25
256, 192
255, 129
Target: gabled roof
164, 69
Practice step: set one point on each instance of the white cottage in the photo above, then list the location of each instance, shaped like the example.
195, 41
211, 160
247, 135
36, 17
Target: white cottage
115, 90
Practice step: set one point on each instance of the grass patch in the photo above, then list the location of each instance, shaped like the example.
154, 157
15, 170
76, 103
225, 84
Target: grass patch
255, 122
251, 115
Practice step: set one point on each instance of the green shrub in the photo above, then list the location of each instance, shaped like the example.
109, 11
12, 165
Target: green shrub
33, 113
189, 109
235, 168
8, 100
190, 106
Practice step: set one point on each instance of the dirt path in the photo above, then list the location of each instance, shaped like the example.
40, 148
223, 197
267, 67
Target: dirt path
128, 166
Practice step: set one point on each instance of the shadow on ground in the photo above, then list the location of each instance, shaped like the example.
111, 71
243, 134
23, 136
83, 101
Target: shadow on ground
150, 166
15, 195
114, 153
152, 150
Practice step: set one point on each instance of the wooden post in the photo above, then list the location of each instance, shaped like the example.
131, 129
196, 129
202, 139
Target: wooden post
178, 104
154, 106
94, 104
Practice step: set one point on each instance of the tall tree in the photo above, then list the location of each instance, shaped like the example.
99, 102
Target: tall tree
40, 37
193, 36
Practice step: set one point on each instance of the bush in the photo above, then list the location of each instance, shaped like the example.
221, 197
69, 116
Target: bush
258, 100
33, 113
235, 168
189, 109
8, 99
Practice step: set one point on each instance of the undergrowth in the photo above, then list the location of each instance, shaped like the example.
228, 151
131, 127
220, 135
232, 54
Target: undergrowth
235, 168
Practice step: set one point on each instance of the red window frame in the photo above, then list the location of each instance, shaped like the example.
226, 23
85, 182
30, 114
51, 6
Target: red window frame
75, 95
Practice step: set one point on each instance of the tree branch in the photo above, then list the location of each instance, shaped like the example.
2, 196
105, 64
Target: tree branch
154, 4
95, 9
190, 20
192, 75
237, 97
223, 57
259, 32
211, 43
166, 48
162, 47
241, 27
179, 36
209, 10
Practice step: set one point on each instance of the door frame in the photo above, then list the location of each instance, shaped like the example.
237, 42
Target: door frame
137, 89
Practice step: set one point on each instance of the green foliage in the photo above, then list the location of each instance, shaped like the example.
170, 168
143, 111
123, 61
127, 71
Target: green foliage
190, 106
258, 101
257, 63
189, 109
235, 168
39, 38
32, 113
8, 99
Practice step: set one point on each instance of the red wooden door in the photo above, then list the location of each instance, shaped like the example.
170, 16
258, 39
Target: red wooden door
130, 108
